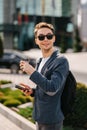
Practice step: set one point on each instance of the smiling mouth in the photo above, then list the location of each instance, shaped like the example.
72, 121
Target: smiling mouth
45, 44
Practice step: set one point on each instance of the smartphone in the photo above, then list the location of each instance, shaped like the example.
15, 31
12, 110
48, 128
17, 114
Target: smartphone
21, 88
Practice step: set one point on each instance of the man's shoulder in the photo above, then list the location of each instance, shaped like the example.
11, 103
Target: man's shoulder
61, 57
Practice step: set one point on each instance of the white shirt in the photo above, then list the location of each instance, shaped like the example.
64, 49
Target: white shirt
44, 60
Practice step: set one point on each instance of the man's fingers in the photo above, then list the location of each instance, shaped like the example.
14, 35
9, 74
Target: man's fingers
26, 86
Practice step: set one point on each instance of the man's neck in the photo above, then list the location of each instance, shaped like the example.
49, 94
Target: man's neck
47, 53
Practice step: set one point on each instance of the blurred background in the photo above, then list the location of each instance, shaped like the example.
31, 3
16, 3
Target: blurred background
17, 21
18, 18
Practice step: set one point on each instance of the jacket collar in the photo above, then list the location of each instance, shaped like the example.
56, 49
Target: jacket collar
52, 57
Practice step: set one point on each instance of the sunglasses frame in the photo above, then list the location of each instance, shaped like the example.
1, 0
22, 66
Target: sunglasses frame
48, 36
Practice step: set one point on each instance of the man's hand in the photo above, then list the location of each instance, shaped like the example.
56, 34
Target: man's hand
26, 67
27, 91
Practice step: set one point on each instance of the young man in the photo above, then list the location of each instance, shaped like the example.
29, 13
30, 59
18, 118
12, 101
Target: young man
49, 76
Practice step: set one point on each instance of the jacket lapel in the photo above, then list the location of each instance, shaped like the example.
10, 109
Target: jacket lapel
38, 63
46, 65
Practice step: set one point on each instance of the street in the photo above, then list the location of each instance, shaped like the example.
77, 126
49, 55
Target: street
15, 78
77, 62
24, 78
81, 77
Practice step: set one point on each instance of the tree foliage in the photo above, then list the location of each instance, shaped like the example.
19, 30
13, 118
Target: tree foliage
1, 47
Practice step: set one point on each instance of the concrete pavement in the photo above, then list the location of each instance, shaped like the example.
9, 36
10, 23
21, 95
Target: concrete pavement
6, 124
10, 120
17, 78
77, 61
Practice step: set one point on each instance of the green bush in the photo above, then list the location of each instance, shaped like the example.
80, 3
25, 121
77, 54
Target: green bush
27, 113
30, 99
12, 103
77, 44
21, 98
79, 116
1, 47
6, 91
15, 93
1, 94
8, 94
68, 128
5, 81
4, 98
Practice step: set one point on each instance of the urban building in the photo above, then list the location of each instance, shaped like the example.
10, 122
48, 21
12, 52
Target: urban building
18, 18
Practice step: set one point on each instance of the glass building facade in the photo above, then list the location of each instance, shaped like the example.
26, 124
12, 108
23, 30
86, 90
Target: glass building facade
20, 17
1, 11
40, 7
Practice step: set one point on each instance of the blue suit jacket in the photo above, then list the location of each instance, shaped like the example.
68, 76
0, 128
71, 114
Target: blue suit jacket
50, 83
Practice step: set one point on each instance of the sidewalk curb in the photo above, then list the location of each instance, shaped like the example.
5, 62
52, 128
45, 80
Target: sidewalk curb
20, 121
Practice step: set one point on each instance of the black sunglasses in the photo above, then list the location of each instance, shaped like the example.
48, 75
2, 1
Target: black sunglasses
48, 36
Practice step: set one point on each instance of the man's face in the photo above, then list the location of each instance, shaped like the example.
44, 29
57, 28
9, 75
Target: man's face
45, 38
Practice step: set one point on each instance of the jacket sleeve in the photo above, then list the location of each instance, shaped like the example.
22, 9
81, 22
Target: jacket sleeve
57, 73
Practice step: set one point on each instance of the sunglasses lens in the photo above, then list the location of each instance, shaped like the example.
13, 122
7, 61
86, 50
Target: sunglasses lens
50, 36
41, 38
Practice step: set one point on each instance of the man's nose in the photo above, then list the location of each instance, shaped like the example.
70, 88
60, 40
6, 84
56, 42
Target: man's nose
45, 38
